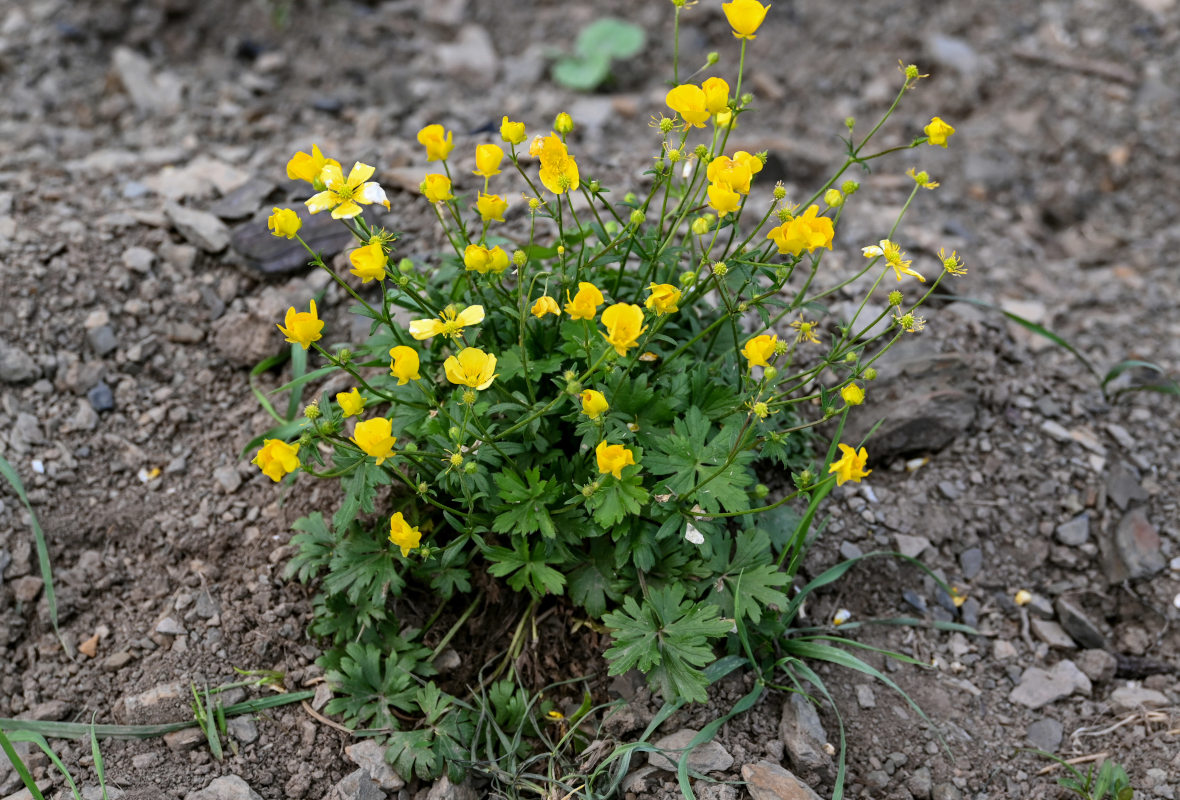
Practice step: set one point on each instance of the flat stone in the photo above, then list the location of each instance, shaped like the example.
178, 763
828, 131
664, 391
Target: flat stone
245, 200
848, 550
803, 734
1039, 687
26, 589
1078, 624
1134, 698
116, 661
200, 228
920, 783
971, 562
946, 791
1123, 487
183, 740
229, 478
1039, 606
915, 600
25, 433
1098, 665
912, 546
1052, 634
151, 90
706, 757
139, 259
1003, 649
16, 366
769, 781
1045, 734
50, 711
276, 255
1138, 545
169, 626
370, 755
865, 697
1075, 532
95, 792
445, 789
242, 728
357, 785
229, 787
102, 340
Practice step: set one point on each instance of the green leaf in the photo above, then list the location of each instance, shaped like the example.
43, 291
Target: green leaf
528, 501
315, 544
667, 638
689, 457
525, 568
369, 684
14, 480
750, 581
360, 490
617, 499
364, 563
611, 36
582, 73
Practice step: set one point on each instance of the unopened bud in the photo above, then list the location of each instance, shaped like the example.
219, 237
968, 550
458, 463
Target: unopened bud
688, 278
637, 217
630, 199
870, 374
747, 98
761, 490
849, 187
770, 373
594, 186
712, 58
403, 281
563, 124
344, 356
410, 447
405, 266
470, 467
454, 432
833, 198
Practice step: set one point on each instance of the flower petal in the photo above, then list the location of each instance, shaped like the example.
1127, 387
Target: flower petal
472, 315
425, 328
359, 174
321, 201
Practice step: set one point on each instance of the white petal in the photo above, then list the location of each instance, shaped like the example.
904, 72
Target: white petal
373, 193
692, 535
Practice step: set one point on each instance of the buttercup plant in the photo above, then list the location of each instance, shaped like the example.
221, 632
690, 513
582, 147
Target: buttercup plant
577, 412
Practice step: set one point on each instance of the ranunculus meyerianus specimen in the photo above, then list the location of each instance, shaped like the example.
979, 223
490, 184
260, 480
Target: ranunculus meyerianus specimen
745, 17
471, 367
559, 170
512, 132
304, 167
938, 131
368, 262
850, 466
594, 403
664, 298
624, 326
404, 364
345, 195
759, 350
477, 258
487, 160
545, 305
351, 403
302, 327
402, 534
437, 141
716, 94
284, 222
689, 101
276, 458
612, 458
451, 323
491, 207
808, 231
374, 437
436, 187
584, 304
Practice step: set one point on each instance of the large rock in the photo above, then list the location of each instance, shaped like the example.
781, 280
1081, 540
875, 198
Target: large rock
803, 735
369, 755
199, 227
767, 781
276, 255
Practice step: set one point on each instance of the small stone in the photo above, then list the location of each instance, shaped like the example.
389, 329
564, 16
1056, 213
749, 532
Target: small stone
706, 757
444, 789
144, 761
865, 697
356, 785
1039, 687
1134, 698
116, 661
917, 601
971, 562
139, 259
228, 477
370, 755
1003, 649
1123, 487
1075, 532
767, 781
101, 397
243, 201
1138, 545
157, 704
199, 227
1045, 734
323, 693
920, 783
16, 366
50, 711
1039, 606
953, 52
911, 546
102, 340
877, 779
85, 418
471, 55
170, 627
949, 490
230, 787
1078, 625
26, 589
242, 728
848, 550
187, 739
803, 735
96, 792
448, 660
1052, 634
1098, 665
151, 91
946, 791
185, 333
1120, 435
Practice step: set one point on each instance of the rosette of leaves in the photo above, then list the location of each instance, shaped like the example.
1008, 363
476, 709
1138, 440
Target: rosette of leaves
599, 43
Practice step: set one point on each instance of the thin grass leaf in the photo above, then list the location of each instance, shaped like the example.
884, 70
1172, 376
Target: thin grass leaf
259, 368
298, 370
14, 480
210, 727
21, 770
709, 731
37, 739
99, 768
314, 375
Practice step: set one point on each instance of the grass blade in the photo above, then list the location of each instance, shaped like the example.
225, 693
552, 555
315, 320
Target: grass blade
99, 768
13, 478
21, 770
298, 370
39, 740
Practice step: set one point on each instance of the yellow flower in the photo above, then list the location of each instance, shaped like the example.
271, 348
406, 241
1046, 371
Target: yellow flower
664, 298
806, 331
368, 262
450, 323
723, 199
850, 466
716, 95
624, 325
545, 305
351, 403
536, 146
401, 534
922, 179
688, 100
559, 170
909, 323
853, 395
302, 327
477, 258
491, 207
512, 132
759, 350
893, 257
594, 403
284, 222
436, 187
937, 132
373, 436
276, 458
343, 195
437, 142
744, 17
404, 364
471, 367
612, 458
952, 263
733, 173
808, 231
585, 303
304, 167
487, 159
748, 160
563, 123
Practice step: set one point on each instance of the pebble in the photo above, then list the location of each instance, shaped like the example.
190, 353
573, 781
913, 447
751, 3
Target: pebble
865, 697
971, 562
911, 546
1003, 649
243, 201
1133, 698
200, 228
1123, 487
50, 711
85, 418
370, 755
848, 550
139, 259
1075, 532
949, 490
946, 791
16, 366
116, 661
102, 340
101, 397
229, 478
356, 785
1098, 665
1045, 734
917, 601
802, 734
170, 627
151, 91
230, 787
708, 756
1052, 634
26, 589
1078, 625
1039, 687
471, 55
951, 51
920, 783
187, 739
768, 781
1039, 606
242, 728
1138, 546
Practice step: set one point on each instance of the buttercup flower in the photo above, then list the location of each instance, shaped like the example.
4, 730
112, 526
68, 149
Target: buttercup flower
852, 394
723, 199
733, 173
664, 298
748, 160
512, 132
893, 257
909, 323
559, 170
404, 364
368, 262
585, 303
491, 207
471, 367
450, 323
593, 403
545, 305
624, 325
851, 466
922, 179
716, 94
304, 167
487, 160
302, 327
373, 436
401, 534
284, 222
477, 258
437, 142
563, 123
806, 331
343, 195
952, 263
809, 231
759, 350
745, 16
612, 458
688, 100
436, 187
937, 132
351, 403
276, 458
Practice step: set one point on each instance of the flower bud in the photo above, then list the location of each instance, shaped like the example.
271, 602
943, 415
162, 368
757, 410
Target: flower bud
747, 98
630, 199
849, 187
833, 198
611, 227
589, 489
637, 217
769, 373
688, 278
564, 123
743, 307
700, 226
405, 266
895, 298
780, 191
520, 258
573, 387
869, 374
849, 358
850, 122
594, 186
761, 490
344, 356
306, 438
403, 281
829, 413
423, 488
470, 467
561, 249
804, 479
569, 375
454, 432
712, 58
410, 447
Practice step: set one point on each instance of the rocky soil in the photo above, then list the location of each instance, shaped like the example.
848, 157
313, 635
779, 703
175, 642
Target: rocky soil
145, 144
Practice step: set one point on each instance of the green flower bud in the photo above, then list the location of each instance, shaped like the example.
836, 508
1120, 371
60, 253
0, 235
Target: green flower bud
701, 152
471, 467
849, 187
637, 217
329, 426
563, 124
573, 387
454, 432
895, 298
611, 227
869, 374
688, 278
747, 98
306, 438
850, 122
850, 358
803, 479
594, 186
770, 373
761, 490
630, 199
410, 447
423, 488
312, 411
403, 281
713, 56
743, 307
405, 266
833, 198
344, 356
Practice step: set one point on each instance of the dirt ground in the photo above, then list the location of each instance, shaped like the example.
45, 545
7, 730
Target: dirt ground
129, 331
